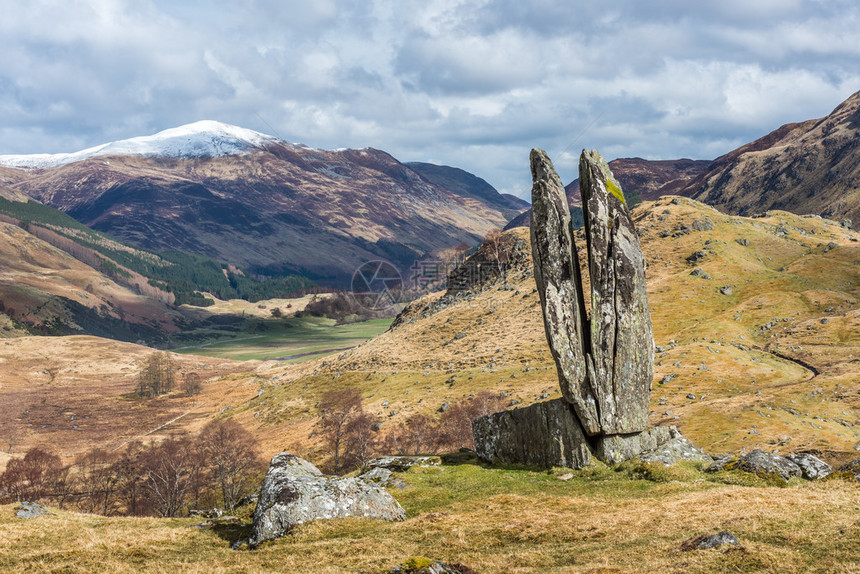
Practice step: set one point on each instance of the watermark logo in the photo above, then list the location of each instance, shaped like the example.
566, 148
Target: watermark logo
377, 285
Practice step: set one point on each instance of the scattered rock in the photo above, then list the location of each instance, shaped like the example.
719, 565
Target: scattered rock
421, 565
565, 477
703, 225
760, 463
726, 290
443, 408
691, 396
846, 223
853, 467
825, 321
744, 242
384, 477
673, 450
696, 256
31, 510
710, 541
668, 379
402, 463
699, 272
813, 468
295, 491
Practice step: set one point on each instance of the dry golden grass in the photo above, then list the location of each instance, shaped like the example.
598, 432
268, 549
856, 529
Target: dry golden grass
51, 385
491, 519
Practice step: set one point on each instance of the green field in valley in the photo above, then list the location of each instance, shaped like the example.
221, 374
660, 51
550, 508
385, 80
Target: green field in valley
292, 339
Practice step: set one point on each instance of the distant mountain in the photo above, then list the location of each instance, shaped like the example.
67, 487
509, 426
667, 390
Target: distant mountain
641, 179
466, 184
807, 167
257, 202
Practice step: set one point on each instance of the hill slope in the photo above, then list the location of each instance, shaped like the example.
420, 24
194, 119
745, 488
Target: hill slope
255, 201
807, 167
771, 364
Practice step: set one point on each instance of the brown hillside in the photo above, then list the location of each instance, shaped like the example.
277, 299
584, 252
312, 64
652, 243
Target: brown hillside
808, 167
49, 290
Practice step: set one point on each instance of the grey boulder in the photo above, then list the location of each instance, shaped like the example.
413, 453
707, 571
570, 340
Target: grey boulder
295, 491
853, 467
813, 468
760, 463
710, 541
31, 510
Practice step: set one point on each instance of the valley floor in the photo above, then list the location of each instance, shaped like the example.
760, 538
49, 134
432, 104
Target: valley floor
631, 519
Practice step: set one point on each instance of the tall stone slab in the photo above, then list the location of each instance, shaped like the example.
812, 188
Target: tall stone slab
622, 340
556, 271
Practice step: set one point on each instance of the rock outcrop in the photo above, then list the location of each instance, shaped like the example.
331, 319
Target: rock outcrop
605, 363
295, 491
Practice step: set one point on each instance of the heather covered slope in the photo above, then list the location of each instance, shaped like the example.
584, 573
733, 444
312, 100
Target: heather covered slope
257, 202
807, 167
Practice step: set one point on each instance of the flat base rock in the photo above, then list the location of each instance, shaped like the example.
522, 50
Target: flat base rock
616, 448
548, 434
401, 463
544, 434
295, 491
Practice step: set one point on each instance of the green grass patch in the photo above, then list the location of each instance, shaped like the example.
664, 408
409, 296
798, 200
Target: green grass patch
293, 339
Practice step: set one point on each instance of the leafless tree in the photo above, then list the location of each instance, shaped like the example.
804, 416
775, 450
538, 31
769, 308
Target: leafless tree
157, 375
192, 384
168, 469
338, 412
230, 456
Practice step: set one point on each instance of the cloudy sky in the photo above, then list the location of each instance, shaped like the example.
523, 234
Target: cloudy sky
474, 83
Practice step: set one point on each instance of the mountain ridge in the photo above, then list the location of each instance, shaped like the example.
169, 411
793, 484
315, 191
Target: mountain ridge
268, 206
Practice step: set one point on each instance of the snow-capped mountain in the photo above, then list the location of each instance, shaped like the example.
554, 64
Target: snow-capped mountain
205, 138
260, 203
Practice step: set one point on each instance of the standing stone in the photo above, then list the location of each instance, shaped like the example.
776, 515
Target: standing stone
556, 271
622, 340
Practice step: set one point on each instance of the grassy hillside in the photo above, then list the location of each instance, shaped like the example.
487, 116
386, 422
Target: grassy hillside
771, 365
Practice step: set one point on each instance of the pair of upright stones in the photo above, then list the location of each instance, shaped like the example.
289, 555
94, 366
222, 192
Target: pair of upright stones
605, 362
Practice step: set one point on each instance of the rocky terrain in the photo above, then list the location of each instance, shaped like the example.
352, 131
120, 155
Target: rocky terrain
806, 167
257, 202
